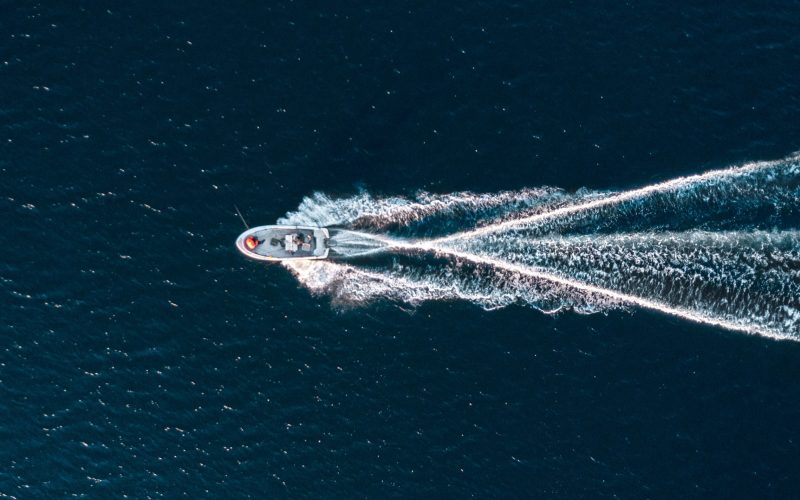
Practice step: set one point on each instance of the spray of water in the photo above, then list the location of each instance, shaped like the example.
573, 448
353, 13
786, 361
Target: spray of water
720, 248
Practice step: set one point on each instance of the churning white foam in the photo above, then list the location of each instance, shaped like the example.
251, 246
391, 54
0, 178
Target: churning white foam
719, 248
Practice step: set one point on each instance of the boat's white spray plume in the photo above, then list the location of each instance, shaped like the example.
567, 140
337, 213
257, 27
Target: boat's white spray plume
586, 251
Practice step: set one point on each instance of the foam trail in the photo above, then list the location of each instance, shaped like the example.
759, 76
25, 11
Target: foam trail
347, 244
720, 248
366, 212
350, 285
743, 326
671, 185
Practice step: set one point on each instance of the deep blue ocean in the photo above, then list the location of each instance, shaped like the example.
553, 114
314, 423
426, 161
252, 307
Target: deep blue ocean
143, 355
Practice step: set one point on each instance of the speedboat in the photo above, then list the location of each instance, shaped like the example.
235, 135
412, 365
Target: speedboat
277, 243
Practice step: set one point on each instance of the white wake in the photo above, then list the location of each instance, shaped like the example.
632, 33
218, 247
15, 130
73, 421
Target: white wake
720, 248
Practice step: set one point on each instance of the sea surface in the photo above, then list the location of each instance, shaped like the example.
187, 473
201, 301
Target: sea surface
645, 349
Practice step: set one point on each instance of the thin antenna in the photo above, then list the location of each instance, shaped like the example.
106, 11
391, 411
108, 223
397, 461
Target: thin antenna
240, 216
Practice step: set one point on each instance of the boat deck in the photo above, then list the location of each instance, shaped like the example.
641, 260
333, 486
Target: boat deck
279, 242
286, 243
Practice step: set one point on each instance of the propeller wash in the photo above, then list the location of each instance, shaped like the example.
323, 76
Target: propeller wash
720, 248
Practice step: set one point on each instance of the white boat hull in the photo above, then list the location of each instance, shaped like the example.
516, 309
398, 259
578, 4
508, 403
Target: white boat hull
278, 243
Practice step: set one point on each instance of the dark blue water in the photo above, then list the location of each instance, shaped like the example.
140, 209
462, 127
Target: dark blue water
143, 356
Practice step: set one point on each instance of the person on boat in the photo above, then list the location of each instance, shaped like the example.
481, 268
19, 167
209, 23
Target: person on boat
251, 242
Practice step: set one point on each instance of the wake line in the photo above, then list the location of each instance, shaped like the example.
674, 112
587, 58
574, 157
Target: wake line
309, 272
435, 247
629, 299
721, 248
614, 199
